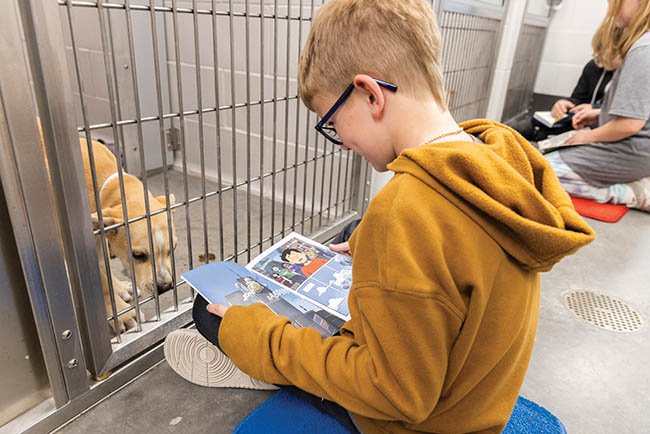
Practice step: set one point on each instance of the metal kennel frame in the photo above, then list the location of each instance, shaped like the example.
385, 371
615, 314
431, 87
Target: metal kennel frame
470, 36
224, 113
528, 55
116, 28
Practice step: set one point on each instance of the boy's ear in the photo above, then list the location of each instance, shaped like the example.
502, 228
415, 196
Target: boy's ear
373, 93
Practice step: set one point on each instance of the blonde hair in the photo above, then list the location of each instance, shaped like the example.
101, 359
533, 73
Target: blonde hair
397, 41
611, 41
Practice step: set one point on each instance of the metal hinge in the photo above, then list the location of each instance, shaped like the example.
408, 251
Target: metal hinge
173, 139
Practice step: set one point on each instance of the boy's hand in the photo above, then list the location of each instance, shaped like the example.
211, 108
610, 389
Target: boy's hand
561, 108
218, 309
581, 137
341, 248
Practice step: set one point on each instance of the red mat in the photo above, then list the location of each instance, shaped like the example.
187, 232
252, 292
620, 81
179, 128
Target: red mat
605, 212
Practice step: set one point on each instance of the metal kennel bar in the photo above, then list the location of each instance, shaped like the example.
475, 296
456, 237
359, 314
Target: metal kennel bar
524, 69
163, 153
248, 129
217, 98
233, 129
262, 127
470, 41
199, 90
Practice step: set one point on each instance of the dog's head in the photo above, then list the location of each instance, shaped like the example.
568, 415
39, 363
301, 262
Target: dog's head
144, 260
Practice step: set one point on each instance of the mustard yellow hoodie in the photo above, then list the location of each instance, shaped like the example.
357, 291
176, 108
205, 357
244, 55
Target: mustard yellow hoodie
445, 292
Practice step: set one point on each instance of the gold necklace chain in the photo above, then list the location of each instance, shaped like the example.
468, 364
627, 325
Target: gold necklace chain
442, 136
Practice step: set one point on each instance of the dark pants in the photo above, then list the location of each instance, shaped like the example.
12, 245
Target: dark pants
208, 325
534, 132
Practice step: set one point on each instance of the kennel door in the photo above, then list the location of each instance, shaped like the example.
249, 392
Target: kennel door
129, 64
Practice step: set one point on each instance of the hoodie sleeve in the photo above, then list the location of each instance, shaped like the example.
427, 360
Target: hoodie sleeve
396, 374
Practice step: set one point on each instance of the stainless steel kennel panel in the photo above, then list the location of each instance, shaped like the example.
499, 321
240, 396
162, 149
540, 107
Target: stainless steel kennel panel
24, 379
470, 37
527, 59
199, 100
276, 149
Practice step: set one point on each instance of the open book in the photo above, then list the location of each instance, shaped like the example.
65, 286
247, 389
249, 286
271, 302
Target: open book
548, 120
556, 142
296, 277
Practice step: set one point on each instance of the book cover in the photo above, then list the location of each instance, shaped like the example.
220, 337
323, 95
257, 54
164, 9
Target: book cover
548, 120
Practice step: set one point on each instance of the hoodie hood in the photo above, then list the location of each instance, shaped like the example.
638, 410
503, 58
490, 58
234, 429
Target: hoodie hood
508, 187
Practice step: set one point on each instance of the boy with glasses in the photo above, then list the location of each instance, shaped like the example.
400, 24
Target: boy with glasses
446, 261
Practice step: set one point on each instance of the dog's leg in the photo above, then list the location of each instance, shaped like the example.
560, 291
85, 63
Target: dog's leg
130, 292
125, 321
126, 290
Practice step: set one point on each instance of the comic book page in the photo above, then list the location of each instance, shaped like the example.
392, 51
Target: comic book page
311, 270
231, 284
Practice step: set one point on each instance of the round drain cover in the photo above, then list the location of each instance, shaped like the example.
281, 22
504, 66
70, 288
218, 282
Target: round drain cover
603, 311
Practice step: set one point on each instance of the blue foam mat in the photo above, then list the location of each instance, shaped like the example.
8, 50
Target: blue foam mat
530, 418
285, 413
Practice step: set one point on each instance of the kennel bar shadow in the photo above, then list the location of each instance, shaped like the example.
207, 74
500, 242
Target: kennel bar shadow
195, 101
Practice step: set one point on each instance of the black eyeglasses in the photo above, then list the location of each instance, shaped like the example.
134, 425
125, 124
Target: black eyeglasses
328, 131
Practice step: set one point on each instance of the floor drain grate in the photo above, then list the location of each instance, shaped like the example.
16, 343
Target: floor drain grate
603, 311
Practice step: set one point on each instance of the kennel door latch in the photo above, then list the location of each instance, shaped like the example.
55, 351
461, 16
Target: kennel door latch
173, 139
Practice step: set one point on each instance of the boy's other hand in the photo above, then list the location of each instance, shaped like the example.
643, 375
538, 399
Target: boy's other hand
585, 118
561, 108
343, 248
218, 309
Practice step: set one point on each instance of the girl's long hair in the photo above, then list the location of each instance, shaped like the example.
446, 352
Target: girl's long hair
611, 41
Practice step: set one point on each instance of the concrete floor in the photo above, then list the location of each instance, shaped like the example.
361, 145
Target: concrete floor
595, 381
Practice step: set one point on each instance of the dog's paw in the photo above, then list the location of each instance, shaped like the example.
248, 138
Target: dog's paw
130, 323
126, 321
124, 289
125, 295
128, 287
120, 324
137, 292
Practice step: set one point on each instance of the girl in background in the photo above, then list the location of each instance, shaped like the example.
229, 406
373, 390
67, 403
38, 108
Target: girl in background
613, 165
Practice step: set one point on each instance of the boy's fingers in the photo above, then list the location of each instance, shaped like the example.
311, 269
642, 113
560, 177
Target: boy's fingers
217, 309
341, 247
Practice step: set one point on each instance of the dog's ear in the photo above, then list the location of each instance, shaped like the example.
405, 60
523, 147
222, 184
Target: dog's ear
109, 217
172, 199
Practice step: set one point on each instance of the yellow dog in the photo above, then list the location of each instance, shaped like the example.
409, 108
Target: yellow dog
112, 213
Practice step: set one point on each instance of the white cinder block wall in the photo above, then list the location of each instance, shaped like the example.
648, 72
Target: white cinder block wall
568, 45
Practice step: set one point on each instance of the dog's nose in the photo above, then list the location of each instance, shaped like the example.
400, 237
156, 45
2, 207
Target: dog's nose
164, 287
